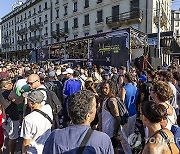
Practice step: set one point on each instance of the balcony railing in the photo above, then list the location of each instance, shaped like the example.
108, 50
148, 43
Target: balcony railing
60, 33
36, 26
35, 38
5, 45
126, 17
21, 42
22, 31
6, 36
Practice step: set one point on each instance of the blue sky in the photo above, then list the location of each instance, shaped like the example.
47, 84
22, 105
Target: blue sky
6, 6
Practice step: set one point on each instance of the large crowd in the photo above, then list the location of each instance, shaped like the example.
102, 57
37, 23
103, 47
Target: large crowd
61, 109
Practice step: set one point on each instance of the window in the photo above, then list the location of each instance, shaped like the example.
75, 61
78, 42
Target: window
29, 13
66, 26
57, 27
99, 1
177, 16
65, 10
177, 32
45, 5
99, 16
25, 16
39, 19
39, 8
46, 30
86, 4
57, 13
34, 11
21, 17
75, 36
29, 23
57, 1
75, 22
12, 22
34, 21
75, 6
46, 18
86, 20
177, 23
46, 42
86, 34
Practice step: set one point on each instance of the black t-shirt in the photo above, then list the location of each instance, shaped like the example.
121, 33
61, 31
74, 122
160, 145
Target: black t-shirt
10, 108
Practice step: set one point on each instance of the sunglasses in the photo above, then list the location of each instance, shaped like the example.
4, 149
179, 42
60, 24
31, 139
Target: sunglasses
31, 83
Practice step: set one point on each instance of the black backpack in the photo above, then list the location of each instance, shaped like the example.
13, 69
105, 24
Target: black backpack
123, 112
52, 100
56, 88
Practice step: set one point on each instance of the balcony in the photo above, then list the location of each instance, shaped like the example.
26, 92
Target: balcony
35, 26
126, 17
22, 42
22, 31
35, 38
6, 36
164, 18
5, 45
60, 33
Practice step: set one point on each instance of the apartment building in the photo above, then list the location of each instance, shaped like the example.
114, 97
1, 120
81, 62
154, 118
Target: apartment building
42, 22
176, 24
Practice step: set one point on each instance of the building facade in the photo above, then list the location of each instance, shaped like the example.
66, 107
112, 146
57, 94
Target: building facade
176, 24
44, 22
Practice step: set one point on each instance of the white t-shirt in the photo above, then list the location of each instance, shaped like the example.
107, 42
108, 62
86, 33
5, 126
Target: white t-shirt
37, 128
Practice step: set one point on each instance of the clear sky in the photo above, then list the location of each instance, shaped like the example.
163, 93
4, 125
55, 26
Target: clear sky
6, 6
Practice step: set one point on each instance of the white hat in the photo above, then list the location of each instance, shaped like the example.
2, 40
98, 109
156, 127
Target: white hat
68, 71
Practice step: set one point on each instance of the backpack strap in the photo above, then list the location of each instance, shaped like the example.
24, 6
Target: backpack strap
165, 136
84, 141
44, 114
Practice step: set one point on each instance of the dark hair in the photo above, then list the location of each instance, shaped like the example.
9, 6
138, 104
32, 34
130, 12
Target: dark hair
129, 76
154, 112
163, 91
79, 105
176, 76
112, 86
89, 85
168, 75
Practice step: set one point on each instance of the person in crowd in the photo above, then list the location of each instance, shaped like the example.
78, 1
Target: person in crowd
4, 73
36, 126
2, 120
81, 108
89, 85
168, 77
34, 82
128, 96
160, 140
72, 85
9, 101
111, 118
161, 93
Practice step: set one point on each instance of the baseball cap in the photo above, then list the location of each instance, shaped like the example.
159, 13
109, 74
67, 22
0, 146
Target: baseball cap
35, 96
143, 78
68, 71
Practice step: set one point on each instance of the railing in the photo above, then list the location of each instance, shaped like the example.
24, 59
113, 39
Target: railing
130, 16
35, 38
5, 45
35, 26
22, 41
22, 31
59, 33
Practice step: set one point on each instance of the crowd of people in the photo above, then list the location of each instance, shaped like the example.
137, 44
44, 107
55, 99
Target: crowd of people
59, 109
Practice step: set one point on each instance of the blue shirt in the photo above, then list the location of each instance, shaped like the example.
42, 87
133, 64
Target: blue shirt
70, 87
68, 140
130, 98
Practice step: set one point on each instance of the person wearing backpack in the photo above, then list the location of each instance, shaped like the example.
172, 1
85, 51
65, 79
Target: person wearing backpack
49, 97
112, 117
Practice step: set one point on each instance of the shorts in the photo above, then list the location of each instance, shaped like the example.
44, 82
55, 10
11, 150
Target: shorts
114, 142
12, 129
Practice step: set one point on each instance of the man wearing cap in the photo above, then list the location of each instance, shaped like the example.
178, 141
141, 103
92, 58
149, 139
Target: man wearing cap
36, 126
72, 85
